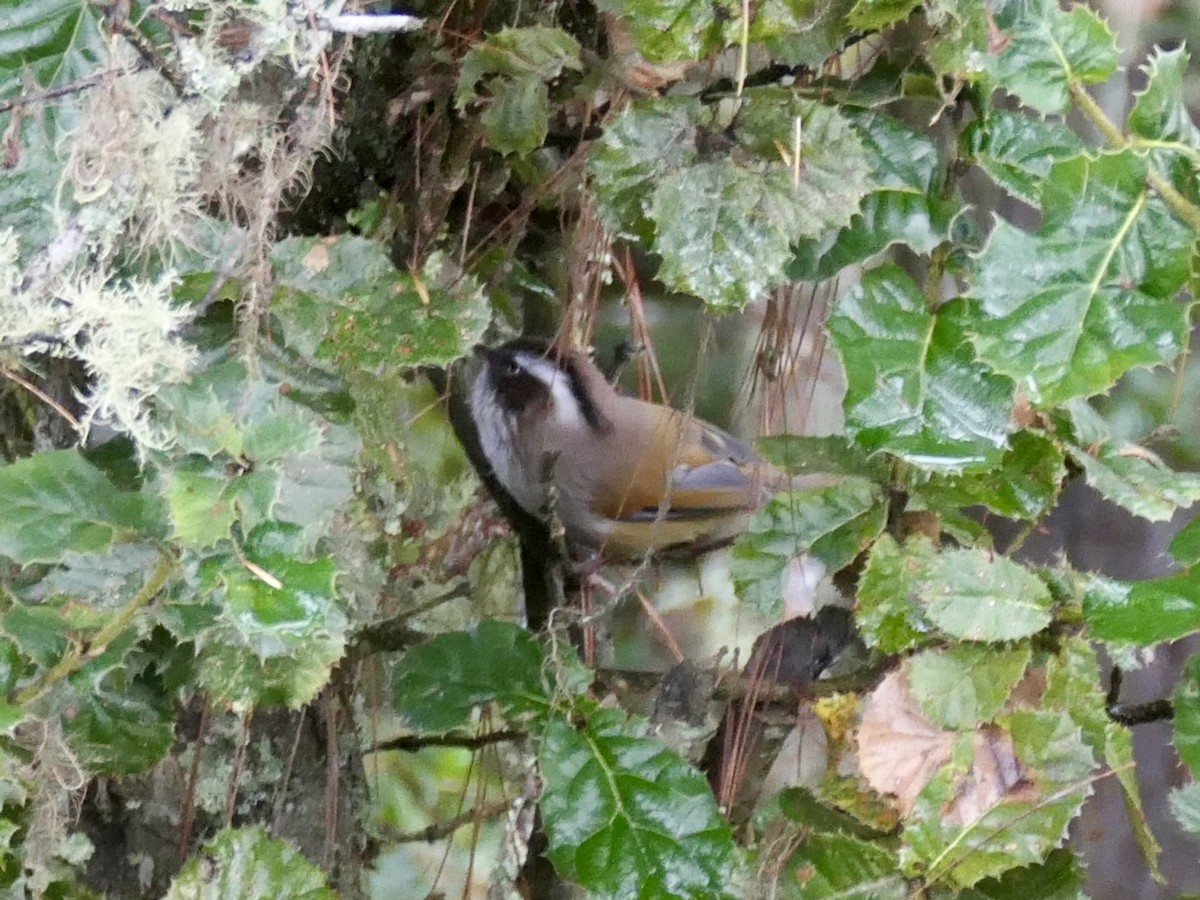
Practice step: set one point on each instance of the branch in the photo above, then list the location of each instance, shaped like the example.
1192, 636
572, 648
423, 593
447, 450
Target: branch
74, 87
411, 743
439, 830
82, 652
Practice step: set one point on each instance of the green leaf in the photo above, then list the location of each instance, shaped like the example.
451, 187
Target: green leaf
1018, 150
1059, 877
670, 30
535, 51
371, 316
246, 864
1025, 485
40, 632
49, 44
1185, 546
975, 596
1098, 298
119, 728
1145, 613
1137, 480
524, 61
723, 216
906, 592
826, 455
961, 686
258, 644
957, 835
871, 15
834, 524
626, 817
1187, 716
439, 683
205, 500
1185, 806
1047, 49
842, 866
1159, 112
56, 502
801, 33
889, 612
1118, 755
517, 119
914, 388
906, 206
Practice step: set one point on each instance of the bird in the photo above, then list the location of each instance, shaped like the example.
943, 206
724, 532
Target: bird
625, 477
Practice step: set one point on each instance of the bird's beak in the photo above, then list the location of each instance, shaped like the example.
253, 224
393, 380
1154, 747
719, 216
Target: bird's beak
482, 351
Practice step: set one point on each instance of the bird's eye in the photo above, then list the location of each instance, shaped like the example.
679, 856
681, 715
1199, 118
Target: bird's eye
512, 368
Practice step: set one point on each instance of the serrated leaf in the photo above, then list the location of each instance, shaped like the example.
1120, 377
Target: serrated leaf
40, 632
972, 595
720, 202
438, 684
889, 612
869, 15
834, 524
1016, 810
1059, 877
247, 864
374, 316
962, 686
1018, 150
841, 866
1187, 716
49, 42
205, 500
119, 729
56, 502
1118, 756
523, 61
1185, 806
1073, 686
913, 386
536, 51
1185, 546
905, 207
1159, 112
517, 119
801, 34
1144, 613
1025, 485
676, 29
1137, 480
1067, 311
828, 455
1046, 49
260, 644
626, 817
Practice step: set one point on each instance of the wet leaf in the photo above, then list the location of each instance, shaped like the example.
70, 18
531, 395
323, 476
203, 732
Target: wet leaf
246, 864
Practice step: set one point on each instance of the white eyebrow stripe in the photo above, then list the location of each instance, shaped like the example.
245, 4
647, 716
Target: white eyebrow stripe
566, 404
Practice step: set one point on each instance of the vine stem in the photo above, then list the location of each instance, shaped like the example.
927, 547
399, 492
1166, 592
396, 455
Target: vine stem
112, 629
1117, 139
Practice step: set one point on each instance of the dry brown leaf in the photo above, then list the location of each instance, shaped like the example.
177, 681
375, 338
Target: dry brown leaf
899, 749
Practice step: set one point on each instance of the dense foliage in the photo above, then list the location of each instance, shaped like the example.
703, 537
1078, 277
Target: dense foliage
244, 549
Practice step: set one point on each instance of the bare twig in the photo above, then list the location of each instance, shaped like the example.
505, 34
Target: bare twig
439, 830
45, 398
410, 743
75, 87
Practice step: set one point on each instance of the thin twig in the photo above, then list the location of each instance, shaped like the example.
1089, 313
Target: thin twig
45, 398
277, 802
75, 87
439, 830
187, 818
239, 765
411, 743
